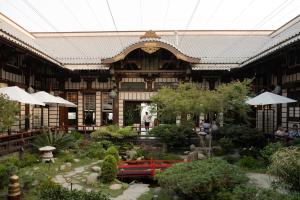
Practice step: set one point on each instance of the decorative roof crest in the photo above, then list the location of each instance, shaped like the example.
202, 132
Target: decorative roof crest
150, 34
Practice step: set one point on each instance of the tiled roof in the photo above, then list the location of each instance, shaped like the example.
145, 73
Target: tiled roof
215, 49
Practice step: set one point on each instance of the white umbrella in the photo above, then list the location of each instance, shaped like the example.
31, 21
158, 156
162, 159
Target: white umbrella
66, 103
267, 98
17, 94
47, 98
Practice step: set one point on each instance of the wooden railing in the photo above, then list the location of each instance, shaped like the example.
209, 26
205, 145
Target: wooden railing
143, 168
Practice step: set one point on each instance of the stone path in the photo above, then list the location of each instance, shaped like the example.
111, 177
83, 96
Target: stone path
76, 173
133, 192
261, 180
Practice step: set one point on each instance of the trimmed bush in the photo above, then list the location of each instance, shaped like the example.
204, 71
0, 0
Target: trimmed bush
113, 132
112, 151
28, 160
269, 150
252, 193
56, 192
251, 163
226, 145
243, 136
109, 169
285, 164
172, 134
201, 179
94, 150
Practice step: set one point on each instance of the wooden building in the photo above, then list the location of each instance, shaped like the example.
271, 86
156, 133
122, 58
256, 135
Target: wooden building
108, 74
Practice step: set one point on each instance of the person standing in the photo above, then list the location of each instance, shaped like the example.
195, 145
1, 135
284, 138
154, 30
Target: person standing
147, 120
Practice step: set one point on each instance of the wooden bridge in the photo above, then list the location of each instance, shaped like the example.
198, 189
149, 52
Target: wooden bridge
143, 168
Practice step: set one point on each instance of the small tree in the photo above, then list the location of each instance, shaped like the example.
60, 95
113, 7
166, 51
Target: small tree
112, 151
109, 169
9, 111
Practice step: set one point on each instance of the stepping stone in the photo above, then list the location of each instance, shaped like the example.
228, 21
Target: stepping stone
68, 164
115, 186
92, 178
79, 169
96, 169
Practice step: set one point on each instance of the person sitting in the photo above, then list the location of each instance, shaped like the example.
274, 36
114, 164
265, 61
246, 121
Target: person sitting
281, 132
206, 127
294, 133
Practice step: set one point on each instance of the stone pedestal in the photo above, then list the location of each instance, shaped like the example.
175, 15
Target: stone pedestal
14, 192
47, 153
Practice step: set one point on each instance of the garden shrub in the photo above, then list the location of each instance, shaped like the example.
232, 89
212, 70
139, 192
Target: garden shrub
28, 160
251, 163
94, 150
285, 164
226, 145
112, 151
8, 167
243, 136
250, 151
269, 150
60, 141
172, 134
109, 169
56, 192
201, 179
252, 193
113, 132
106, 143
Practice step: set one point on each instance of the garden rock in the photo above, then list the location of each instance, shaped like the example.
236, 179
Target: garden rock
76, 160
68, 164
96, 169
115, 186
79, 169
131, 154
201, 156
36, 168
192, 147
91, 178
62, 167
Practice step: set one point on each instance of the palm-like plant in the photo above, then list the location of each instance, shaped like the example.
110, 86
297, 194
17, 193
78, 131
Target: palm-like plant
60, 141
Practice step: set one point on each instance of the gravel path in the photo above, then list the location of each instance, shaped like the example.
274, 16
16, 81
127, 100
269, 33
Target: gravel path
133, 192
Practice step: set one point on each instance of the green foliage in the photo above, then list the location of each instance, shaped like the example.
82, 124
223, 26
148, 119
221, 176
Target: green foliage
94, 150
226, 144
8, 167
106, 143
60, 141
78, 138
252, 193
168, 156
109, 169
188, 99
112, 151
9, 113
113, 132
243, 136
250, 163
56, 192
269, 150
296, 142
201, 179
172, 135
285, 164
28, 160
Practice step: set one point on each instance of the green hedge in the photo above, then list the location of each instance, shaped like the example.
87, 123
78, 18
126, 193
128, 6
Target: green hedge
201, 179
112, 151
109, 169
55, 192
